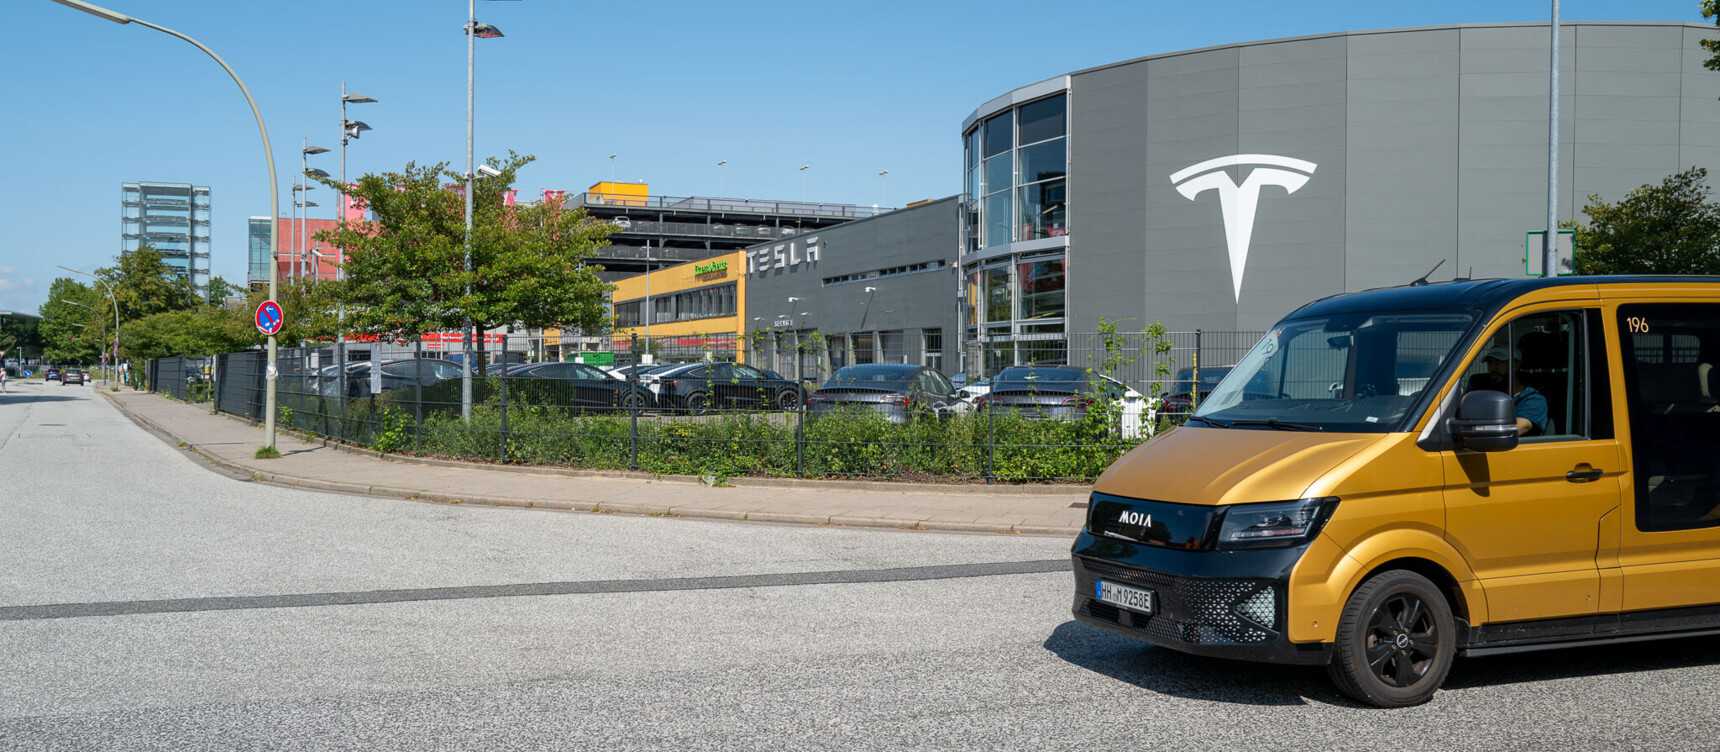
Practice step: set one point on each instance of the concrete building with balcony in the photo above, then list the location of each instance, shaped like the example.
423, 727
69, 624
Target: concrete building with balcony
172, 218
662, 231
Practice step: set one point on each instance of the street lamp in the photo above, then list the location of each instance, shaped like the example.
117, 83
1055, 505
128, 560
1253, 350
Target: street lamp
349, 130
612, 170
274, 192
803, 183
720, 164
305, 150
115, 300
881, 201
474, 31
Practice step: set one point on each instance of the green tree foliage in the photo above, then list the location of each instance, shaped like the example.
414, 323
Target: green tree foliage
406, 273
76, 321
1711, 10
308, 307
145, 285
220, 290
1671, 228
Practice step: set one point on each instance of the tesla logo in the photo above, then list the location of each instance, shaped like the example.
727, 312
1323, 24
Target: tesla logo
1238, 202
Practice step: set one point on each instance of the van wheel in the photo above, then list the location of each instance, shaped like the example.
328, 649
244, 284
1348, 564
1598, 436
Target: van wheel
1396, 639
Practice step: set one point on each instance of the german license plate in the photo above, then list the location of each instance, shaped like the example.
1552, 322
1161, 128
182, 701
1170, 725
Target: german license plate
1133, 599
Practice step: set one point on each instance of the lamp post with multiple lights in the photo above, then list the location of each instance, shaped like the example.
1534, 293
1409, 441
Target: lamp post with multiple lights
115, 300
306, 170
274, 193
349, 130
474, 31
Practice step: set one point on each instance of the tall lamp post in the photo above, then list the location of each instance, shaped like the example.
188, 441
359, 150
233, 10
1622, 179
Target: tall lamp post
115, 300
474, 31
305, 169
274, 193
349, 130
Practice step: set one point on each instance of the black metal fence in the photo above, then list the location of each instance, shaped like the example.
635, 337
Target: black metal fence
704, 404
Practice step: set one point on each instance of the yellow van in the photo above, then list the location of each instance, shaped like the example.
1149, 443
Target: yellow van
1440, 470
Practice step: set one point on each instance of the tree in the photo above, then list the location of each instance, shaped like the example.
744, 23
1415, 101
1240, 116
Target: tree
1671, 228
145, 285
177, 333
75, 323
406, 273
220, 290
1711, 9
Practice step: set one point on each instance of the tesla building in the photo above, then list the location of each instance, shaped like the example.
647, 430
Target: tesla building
1221, 188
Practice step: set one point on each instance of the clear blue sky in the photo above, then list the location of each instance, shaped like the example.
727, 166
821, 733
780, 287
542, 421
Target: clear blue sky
671, 86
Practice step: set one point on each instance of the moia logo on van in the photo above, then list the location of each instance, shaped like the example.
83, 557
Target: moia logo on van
1237, 202
1135, 518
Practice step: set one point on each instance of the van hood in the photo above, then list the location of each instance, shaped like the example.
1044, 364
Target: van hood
1197, 465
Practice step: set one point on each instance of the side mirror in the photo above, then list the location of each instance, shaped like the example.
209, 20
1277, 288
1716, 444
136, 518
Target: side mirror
1486, 422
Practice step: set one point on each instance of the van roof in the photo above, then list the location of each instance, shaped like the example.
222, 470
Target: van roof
1485, 295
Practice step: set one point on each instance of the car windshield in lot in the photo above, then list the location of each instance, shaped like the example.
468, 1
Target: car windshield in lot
1028, 378
1337, 373
872, 375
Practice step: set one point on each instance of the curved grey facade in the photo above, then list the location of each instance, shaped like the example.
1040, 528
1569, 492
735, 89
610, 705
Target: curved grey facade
1221, 188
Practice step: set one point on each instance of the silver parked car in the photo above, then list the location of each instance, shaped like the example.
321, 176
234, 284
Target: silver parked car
897, 391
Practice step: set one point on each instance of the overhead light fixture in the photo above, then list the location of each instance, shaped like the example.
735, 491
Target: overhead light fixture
314, 150
356, 99
316, 173
485, 31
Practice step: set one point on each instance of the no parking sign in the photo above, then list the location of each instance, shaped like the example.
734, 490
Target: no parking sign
269, 318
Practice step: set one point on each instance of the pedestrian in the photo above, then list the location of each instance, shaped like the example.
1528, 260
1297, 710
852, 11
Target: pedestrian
2, 379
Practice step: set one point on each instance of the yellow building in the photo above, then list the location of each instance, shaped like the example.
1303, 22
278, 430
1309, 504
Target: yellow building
695, 309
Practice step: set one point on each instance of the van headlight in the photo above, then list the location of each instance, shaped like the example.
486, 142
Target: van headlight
1278, 523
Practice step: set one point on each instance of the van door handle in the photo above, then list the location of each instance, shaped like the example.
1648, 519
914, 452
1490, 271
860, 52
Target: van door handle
1583, 476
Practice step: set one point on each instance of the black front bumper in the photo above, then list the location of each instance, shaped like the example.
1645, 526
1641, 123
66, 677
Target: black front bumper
1199, 597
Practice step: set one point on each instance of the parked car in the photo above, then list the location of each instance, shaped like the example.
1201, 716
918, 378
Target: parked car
698, 387
897, 391
396, 374
72, 376
52, 374
1179, 399
977, 389
1065, 393
584, 386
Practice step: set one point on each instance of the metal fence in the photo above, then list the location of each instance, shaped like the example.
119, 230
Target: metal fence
718, 405
187, 379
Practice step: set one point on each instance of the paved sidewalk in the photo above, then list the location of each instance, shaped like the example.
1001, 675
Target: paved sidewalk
228, 443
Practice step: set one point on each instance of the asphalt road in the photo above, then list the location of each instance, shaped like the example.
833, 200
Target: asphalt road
147, 602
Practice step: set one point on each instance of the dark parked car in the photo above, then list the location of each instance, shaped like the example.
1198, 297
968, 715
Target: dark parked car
580, 385
396, 374
1061, 392
697, 387
72, 376
1179, 399
897, 391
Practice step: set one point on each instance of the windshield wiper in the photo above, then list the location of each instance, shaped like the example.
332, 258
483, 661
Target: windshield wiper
1278, 424
1213, 421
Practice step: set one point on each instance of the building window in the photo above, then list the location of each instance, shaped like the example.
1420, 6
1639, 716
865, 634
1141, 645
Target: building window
1042, 288
892, 348
932, 349
997, 308
627, 314
704, 303
863, 352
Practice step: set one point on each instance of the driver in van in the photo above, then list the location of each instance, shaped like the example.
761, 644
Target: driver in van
1531, 405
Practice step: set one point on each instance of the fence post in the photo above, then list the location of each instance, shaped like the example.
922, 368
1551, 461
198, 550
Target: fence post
800, 422
990, 446
418, 403
1194, 383
503, 377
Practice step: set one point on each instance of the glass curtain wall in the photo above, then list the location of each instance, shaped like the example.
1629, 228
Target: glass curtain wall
1015, 170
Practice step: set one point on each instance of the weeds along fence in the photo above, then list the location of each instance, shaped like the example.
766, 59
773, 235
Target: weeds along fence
717, 415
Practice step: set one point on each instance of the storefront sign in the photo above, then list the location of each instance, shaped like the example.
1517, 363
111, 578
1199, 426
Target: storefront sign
782, 256
711, 268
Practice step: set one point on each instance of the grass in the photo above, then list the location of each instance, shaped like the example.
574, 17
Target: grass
267, 453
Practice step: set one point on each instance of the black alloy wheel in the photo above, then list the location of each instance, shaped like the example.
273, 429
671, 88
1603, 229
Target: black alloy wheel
697, 403
1396, 640
788, 400
632, 400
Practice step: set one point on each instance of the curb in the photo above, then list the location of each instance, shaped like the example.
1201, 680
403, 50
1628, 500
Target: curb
598, 507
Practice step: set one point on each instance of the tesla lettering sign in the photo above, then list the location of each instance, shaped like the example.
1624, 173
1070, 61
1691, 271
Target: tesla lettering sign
781, 256
1238, 202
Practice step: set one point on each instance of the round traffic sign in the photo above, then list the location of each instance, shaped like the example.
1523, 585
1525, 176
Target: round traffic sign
269, 318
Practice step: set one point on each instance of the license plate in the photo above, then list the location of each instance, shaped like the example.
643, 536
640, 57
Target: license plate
1134, 599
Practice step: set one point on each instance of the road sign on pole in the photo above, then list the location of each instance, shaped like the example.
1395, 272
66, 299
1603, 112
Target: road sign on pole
269, 318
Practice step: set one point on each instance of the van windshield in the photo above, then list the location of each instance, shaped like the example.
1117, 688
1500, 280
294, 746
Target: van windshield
1353, 373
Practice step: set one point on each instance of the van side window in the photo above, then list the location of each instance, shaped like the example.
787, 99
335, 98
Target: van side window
1541, 361
1669, 391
